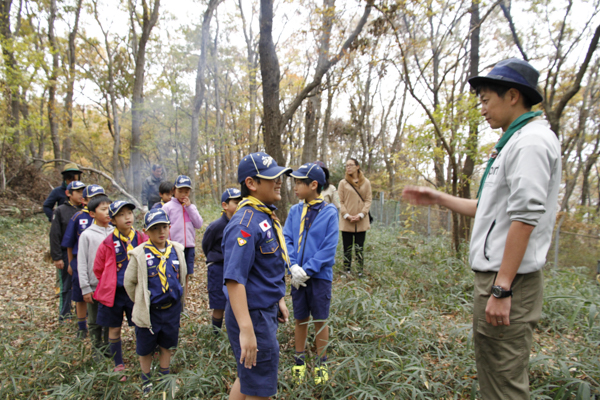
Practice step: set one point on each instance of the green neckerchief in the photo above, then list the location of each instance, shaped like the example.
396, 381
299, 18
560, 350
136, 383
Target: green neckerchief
514, 127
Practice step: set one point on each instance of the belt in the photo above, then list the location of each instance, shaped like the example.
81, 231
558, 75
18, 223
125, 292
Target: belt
162, 306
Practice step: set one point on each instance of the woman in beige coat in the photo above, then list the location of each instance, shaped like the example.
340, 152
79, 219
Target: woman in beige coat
355, 203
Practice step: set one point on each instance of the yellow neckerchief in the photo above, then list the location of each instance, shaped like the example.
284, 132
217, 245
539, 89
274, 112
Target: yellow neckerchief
258, 205
127, 240
85, 209
162, 266
305, 208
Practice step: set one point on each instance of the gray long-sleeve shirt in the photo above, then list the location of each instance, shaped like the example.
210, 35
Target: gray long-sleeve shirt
89, 241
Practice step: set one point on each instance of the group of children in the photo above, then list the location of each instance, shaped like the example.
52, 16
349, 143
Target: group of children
144, 275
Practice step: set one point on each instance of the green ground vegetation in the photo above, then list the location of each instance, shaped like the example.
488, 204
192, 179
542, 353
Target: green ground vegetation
403, 332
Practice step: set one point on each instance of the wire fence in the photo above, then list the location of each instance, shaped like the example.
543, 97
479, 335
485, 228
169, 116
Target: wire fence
568, 249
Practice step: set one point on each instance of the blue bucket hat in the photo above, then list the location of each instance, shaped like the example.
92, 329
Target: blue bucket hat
75, 185
231, 193
155, 216
513, 73
116, 206
183, 181
310, 171
260, 165
93, 190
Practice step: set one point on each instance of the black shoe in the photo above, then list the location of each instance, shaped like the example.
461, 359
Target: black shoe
82, 334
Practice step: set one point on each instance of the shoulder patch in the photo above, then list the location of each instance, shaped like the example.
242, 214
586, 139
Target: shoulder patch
247, 217
241, 242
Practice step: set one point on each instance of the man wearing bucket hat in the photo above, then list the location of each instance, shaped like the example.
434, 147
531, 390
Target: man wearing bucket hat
58, 195
514, 217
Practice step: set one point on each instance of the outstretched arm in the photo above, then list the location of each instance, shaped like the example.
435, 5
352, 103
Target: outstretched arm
424, 196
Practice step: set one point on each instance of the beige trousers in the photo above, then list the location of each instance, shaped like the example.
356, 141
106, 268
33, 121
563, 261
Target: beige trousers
502, 352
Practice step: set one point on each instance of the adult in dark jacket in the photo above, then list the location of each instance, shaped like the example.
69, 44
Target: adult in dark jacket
58, 195
150, 192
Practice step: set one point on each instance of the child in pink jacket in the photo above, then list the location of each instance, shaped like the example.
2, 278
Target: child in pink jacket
185, 219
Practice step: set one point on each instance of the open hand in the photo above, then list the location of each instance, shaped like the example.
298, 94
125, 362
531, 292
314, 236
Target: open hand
249, 348
284, 313
421, 195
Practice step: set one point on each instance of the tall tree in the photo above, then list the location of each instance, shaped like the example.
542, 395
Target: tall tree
52, 82
12, 69
200, 88
149, 18
252, 66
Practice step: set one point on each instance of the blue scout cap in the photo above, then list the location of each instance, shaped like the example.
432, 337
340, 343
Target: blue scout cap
116, 206
310, 171
513, 73
183, 181
93, 190
260, 165
155, 216
75, 185
231, 194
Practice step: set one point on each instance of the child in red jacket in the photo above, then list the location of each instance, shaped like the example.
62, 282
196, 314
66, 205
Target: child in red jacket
110, 264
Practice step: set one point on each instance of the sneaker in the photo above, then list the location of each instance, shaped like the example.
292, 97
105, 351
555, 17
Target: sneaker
298, 373
146, 389
321, 374
82, 334
120, 368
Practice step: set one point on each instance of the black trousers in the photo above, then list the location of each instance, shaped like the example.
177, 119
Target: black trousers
354, 240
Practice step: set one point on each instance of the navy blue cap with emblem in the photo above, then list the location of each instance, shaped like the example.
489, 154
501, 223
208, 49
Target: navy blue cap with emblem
93, 190
155, 216
116, 206
260, 165
75, 185
230, 193
310, 171
183, 181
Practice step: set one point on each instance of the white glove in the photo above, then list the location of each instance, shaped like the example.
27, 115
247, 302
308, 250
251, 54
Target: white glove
145, 209
298, 276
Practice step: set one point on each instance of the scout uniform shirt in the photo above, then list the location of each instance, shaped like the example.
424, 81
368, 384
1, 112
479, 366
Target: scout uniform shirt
253, 257
122, 246
78, 223
163, 284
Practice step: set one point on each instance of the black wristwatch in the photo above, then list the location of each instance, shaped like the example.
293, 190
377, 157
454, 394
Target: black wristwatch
499, 293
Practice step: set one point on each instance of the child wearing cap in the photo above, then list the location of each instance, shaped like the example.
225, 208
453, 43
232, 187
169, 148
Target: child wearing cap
311, 235
165, 191
89, 242
154, 281
58, 195
211, 246
79, 223
253, 270
110, 265
185, 219
60, 222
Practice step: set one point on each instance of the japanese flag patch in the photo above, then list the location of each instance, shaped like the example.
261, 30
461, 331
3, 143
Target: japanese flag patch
241, 242
149, 256
264, 225
117, 243
83, 222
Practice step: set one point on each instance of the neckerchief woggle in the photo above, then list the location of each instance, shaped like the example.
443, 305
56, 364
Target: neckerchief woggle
514, 127
258, 205
125, 240
162, 265
305, 208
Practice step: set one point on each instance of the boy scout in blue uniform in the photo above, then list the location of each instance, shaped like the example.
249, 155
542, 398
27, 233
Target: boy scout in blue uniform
60, 221
211, 246
79, 223
254, 269
58, 195
311, 235
154, 281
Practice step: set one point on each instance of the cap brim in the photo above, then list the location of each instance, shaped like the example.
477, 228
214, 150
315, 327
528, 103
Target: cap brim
95, 194
182, 186
156, 223
274, 172
533, 95
72, 170
124, 205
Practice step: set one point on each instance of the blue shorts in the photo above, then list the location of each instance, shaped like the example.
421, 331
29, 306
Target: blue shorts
190, 255
216, 297
113, 316
314, 299
261, 380
76, 295
165, 325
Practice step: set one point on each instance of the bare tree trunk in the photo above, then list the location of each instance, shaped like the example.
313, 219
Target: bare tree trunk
252, 65
71, 55
52, 116
12, 70
149, 19
325, 132
472, 140
200, 90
